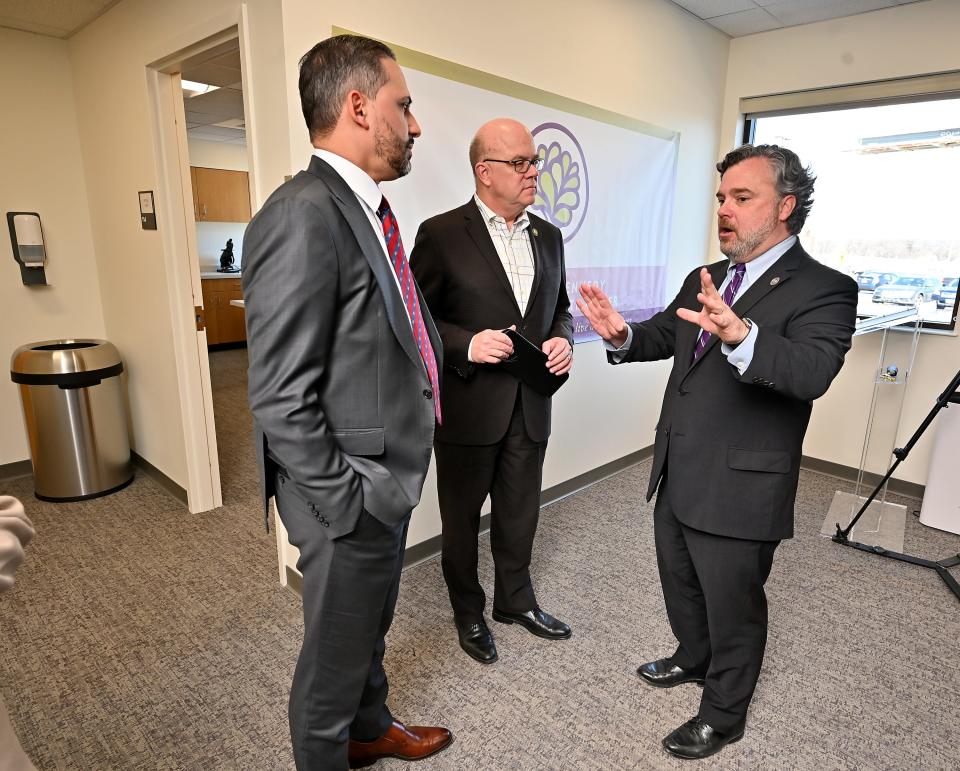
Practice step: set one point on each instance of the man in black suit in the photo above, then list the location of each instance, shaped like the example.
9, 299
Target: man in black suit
484, 267
728, 443
344, 387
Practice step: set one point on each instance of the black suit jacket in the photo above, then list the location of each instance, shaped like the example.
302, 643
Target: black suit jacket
339, 394
467, 289
732, 442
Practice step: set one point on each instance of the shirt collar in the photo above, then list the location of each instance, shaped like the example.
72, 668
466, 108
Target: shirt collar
759, 265
490, 216
356, 178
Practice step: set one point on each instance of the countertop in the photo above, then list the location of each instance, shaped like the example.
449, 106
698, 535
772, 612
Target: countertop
204, 274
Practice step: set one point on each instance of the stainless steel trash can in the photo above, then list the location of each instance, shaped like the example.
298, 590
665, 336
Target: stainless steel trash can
74, 413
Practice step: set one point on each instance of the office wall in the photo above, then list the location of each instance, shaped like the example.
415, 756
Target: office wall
119, 159
908, 40
644, 58
40, 159
217, 155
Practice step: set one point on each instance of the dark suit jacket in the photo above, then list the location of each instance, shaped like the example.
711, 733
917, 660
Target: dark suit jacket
339, 393
467, 289
732, 443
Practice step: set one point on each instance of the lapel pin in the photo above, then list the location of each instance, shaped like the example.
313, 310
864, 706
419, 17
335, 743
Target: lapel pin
536, 232
775, 280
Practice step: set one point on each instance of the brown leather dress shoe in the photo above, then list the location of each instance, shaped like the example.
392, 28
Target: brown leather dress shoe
400, 741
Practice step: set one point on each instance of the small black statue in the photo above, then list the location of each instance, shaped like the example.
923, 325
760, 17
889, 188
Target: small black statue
226, 259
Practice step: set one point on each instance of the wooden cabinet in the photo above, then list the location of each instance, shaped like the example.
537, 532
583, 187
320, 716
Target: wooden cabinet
220, 195
225, 323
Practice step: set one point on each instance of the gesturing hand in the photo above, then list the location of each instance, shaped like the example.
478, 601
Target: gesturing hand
715, 316
559, 355
490, 346
603, 317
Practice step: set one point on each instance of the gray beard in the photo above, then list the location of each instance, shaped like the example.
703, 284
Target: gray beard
747, 244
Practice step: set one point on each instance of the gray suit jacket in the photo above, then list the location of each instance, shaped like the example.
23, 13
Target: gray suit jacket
731, 444
340, 397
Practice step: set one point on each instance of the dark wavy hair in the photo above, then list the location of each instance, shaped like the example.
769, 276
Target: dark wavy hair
331, 69
790, 177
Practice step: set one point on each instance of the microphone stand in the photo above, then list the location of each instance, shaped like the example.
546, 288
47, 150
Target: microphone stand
950, 395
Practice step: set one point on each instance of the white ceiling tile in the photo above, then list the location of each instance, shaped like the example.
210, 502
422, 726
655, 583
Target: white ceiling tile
793, 12
707, 9
745, 22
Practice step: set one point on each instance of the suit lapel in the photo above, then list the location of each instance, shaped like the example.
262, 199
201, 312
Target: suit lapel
477, 229
372, 251
536, 245
773, 278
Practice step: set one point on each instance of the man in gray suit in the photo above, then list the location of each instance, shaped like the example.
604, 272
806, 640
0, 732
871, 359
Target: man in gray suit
344, 389
755, 339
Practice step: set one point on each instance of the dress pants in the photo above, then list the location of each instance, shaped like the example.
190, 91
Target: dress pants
510, 472
350, 588
713, 589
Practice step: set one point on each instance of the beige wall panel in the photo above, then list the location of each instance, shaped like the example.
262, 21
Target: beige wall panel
42, 171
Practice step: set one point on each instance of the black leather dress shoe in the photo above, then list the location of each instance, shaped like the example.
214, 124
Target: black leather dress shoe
663, 673
477, 641
535, 622
695, 740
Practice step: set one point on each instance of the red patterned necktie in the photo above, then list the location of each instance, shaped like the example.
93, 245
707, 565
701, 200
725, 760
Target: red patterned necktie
728, 296
391, 234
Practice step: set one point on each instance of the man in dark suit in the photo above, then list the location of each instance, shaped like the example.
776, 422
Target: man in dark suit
728, 443
344, 388
484, 267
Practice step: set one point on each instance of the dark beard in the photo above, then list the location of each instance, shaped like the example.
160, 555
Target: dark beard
389, 147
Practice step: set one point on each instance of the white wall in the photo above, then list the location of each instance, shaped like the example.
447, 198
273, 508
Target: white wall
217, 155
643, 58
119, 159
908, 40
40, 158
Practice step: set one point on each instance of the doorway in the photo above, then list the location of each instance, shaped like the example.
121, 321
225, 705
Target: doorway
204, 150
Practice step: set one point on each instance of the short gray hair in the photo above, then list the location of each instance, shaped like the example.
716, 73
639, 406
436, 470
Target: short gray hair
334, 67
790, 177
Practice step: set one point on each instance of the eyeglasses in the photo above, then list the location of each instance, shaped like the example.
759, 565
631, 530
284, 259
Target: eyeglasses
520, 165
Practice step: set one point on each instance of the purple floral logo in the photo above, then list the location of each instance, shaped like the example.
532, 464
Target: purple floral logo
562, 190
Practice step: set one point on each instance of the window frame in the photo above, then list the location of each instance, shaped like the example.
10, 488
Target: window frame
933, 87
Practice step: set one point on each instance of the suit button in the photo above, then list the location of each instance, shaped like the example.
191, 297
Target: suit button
428, 393
682, 391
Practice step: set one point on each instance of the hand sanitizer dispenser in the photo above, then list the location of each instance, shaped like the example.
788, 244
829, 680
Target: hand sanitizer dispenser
26, 236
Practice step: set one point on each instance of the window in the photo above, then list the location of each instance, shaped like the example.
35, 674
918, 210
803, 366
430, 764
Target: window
885, 205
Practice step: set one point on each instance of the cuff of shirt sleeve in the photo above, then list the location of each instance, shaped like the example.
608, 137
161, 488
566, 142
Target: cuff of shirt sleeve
741, 355
619, 353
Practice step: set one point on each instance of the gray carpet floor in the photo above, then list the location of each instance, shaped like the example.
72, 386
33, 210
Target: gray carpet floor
142, 637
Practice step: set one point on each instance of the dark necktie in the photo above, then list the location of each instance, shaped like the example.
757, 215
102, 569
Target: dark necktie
391, 234
728, 297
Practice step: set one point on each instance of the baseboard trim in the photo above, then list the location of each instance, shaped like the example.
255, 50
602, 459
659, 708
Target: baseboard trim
294, 581
849, 474
20, 468
159, 477
427, 550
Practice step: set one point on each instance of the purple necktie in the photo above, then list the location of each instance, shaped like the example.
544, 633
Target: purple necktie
391, 234
728, 295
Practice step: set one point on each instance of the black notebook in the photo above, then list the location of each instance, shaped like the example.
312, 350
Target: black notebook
528, 364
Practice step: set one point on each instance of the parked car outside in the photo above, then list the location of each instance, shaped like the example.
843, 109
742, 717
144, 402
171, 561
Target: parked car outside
871, 279
947, 296
907, 290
